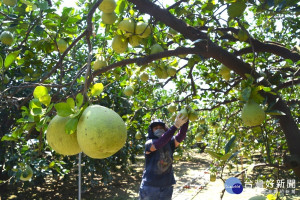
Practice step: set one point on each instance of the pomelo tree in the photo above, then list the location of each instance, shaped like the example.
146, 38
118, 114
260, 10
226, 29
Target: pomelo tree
213, 56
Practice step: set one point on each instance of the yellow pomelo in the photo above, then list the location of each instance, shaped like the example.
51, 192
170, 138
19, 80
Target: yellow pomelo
107, 6
62, 45
144, 77
26, 174
134, 40
143, 30
108, 18
59, 140
98, 64
184, 112
127, 26
128, 91
172, 108
213, 177
226, 77
252, 114
164, 74
101, 132
171, 71
193, 115
156, 48
119, 44
158, 72
138, 136
224, 70
7, 38
176, 156
198, 137
10, 2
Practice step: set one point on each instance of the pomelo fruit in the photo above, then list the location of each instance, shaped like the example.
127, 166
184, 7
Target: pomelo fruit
134, 40
198, 137
171, 108
212, 177
156, 48
101, 132
128, 91
108, 18
99, 63
143, 30
26, 174
107, 6
10, 2
7, 38
176, 156
62, 45
193, 115
171, 71
225, 72
158, 72
59, 140
127, 26
138, 136
252, 114
119, 44
144, 77
184, 112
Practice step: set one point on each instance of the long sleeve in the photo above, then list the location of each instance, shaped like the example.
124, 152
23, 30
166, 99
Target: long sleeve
165, 138
182, 132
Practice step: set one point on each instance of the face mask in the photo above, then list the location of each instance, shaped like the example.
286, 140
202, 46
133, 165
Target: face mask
159, 132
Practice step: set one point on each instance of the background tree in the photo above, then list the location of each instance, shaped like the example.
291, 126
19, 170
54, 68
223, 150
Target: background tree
254, 42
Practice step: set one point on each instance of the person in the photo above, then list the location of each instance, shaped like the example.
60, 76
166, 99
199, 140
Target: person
158, 176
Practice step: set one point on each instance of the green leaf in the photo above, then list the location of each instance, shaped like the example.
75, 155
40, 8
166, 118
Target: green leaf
40, 91
8, 138
71, 102
97, 89
36, 111
246, 93
79, 99
71, 125
63, 109
214, 154
229, 144
10, 58
274, 112
226, 156
120, 7
35, 103
236, 9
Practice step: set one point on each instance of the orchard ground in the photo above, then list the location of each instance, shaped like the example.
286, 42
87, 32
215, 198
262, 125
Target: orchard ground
190, 173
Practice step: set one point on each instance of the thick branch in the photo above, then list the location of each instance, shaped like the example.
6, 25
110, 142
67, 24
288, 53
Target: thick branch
271, 48
289, 84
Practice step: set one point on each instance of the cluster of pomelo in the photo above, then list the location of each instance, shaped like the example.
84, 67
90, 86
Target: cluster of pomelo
100, 133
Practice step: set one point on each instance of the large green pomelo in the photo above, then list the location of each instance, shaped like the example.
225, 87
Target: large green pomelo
107, 6
10, 2
119, 44
59, 140
7, 38
101, 132
252, 114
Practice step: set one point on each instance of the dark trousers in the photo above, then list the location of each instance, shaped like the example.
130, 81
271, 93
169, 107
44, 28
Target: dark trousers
155, 193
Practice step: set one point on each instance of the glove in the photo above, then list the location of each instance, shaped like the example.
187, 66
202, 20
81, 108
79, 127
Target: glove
180, 120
